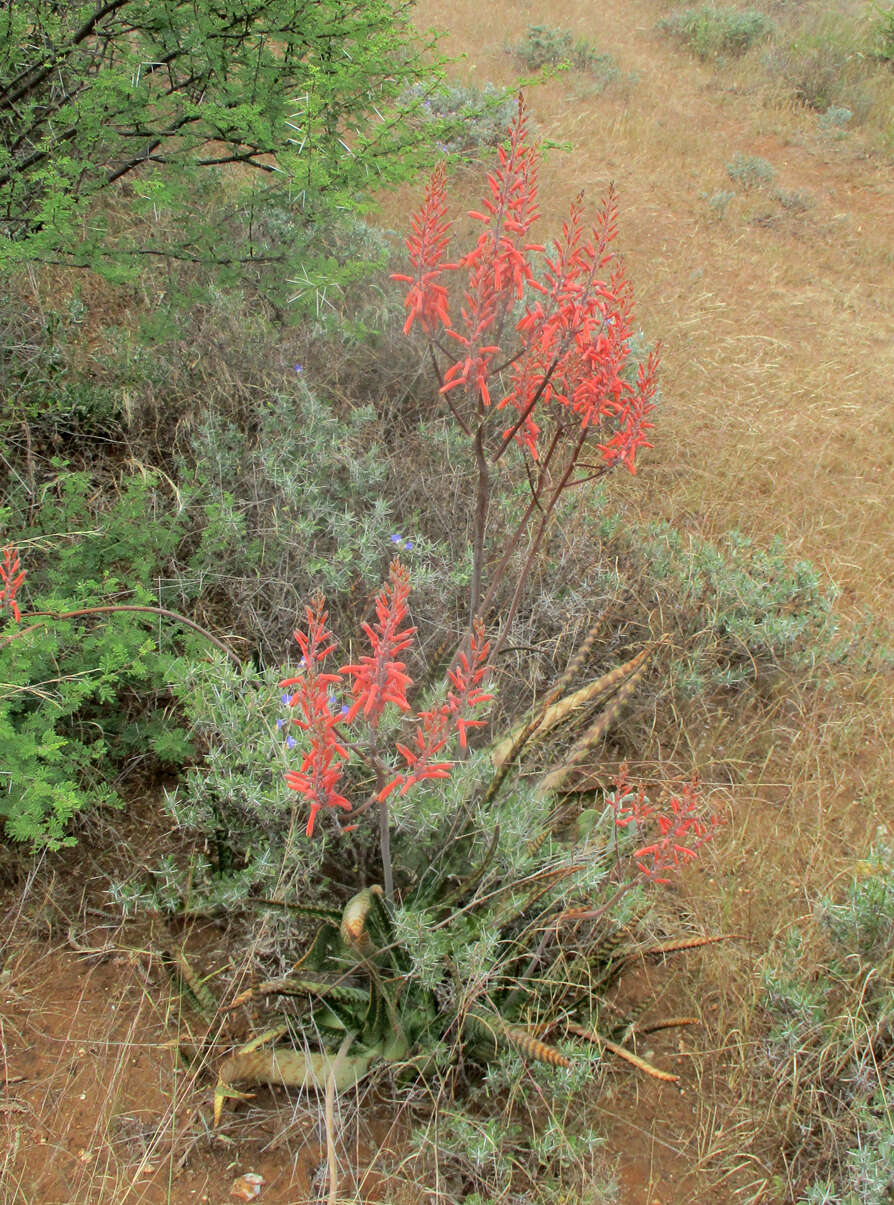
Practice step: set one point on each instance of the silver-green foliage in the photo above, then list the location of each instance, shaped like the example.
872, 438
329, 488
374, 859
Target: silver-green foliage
545, 46
830, 1000
234, 804
750, 171
465, 118
712, 32
294, 506
738, 611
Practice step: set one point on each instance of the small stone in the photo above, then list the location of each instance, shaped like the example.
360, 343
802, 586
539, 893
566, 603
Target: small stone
247, 1186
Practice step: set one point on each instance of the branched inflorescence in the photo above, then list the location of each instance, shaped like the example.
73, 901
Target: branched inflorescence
375, 680
574, 335
681, 829
545, 340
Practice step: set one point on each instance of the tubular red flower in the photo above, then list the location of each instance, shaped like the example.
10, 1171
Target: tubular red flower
379, 678
427, 299
498, 266
321, 769
466, 677
632, 421
682, 830
438, 726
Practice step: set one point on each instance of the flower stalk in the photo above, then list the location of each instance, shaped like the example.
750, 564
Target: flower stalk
562, 369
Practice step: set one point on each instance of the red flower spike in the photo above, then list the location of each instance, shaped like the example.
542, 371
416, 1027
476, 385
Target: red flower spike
466, 678
380, 678
427, 299
576, 345
321, 768
439, 725
498, 266
11, 575
431, 736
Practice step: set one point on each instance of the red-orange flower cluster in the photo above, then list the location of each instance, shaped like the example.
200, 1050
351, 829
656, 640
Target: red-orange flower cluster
427, 298
498, 267
682, 831
378, 678
575, 332
438, 726
321, 769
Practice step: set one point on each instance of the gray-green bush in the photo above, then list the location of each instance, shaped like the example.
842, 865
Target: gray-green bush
829, 996
717, 32
545, 46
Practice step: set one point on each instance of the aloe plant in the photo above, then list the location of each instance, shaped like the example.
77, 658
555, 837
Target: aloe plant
506, 931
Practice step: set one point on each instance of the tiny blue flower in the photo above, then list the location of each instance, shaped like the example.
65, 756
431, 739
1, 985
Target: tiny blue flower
299, 368
408, 544
280, 723
395, 539
286, 699
291, 742
344, 709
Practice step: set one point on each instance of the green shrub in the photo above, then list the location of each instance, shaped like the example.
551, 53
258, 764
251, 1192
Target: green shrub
716, 32
286, 79
47, 387
883, 33
825, 65
829, 995
85, 698
794, 201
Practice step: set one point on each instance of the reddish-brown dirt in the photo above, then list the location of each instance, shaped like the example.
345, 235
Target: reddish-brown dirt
96, 1107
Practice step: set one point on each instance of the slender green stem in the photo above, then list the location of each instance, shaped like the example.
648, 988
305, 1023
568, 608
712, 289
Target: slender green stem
482, 505
385, 845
